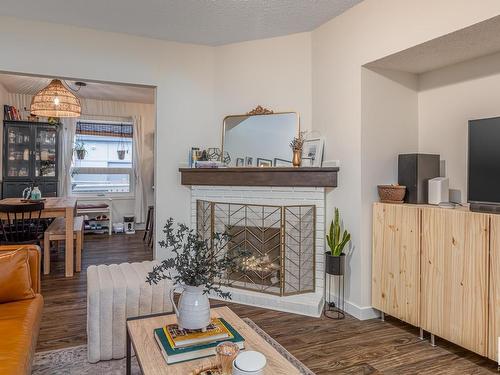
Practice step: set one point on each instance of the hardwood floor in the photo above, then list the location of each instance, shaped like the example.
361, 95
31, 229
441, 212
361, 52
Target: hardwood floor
326, 346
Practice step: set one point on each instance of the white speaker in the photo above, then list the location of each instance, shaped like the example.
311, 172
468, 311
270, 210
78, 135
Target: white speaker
439, 190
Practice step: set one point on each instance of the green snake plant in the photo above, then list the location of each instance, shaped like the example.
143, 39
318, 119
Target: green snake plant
337, 241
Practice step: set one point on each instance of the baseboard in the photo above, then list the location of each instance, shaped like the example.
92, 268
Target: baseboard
309, 304
361, 313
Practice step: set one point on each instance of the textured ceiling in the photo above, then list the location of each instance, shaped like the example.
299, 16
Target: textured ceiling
472, 42
210, 22
18, 84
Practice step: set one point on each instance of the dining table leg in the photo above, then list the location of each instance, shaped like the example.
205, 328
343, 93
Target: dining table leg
69, 242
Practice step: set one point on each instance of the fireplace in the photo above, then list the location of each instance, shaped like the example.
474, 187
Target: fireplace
278, 243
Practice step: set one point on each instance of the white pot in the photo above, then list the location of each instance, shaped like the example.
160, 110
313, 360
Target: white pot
193, 311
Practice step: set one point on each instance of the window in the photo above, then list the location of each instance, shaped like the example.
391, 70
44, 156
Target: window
103, 158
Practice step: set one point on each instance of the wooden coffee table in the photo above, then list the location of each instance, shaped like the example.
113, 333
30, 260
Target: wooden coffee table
140, 336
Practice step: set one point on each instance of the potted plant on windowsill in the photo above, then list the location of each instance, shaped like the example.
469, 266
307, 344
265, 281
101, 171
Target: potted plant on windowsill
80, 150
335, 258
199, 266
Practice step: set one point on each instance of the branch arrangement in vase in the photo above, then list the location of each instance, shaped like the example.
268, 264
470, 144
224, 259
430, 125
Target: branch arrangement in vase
196, 262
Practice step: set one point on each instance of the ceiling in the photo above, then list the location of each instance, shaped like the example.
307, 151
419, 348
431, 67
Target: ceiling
469, 43
19, 84
210, 22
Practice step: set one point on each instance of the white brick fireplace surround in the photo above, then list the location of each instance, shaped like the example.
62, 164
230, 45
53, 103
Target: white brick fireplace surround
306, 304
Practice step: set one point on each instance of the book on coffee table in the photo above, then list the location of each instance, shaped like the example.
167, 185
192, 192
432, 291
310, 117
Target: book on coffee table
181, 337
187, 353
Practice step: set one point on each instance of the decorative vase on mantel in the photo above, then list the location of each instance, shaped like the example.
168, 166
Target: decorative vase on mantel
297, 158
193, 309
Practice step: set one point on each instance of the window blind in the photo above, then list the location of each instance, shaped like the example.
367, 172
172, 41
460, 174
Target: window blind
121, 130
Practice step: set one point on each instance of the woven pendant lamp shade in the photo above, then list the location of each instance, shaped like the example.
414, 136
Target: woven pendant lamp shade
55, 100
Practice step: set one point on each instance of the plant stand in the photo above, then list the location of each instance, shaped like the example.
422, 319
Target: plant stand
334, 268
334, 309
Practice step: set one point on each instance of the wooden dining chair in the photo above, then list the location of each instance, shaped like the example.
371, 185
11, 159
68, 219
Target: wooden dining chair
21, 223
150, 226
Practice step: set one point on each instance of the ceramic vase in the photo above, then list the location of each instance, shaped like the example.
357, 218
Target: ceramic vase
193, 308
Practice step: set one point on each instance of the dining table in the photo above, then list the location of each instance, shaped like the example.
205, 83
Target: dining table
55, 207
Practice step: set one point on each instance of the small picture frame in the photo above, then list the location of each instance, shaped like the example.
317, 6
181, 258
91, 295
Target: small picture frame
282, 163
261, 162
312, 152
240, 162
248, 161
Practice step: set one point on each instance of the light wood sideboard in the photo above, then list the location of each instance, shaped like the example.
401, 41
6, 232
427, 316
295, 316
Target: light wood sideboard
494, 288
439, 270
396, 253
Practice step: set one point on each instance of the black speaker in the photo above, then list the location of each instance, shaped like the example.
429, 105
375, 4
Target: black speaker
414, 172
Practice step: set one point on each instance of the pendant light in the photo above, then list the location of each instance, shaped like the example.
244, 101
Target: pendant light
55, 100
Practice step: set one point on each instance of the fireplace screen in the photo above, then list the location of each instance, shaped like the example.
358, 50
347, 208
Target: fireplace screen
276, 244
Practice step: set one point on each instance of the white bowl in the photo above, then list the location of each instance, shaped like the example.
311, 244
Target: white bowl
249, 363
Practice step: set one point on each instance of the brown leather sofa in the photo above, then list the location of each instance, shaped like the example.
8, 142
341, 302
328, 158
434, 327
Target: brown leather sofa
20, 321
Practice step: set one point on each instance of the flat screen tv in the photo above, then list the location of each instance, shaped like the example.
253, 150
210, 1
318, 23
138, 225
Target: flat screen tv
484, 164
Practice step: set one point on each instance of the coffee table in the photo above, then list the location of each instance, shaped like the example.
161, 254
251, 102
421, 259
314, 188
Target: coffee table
140, 336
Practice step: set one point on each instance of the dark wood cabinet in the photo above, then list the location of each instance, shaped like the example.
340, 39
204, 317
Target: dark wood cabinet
30, 156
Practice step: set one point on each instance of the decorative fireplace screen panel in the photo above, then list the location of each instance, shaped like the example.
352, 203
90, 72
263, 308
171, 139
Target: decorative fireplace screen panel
275, 244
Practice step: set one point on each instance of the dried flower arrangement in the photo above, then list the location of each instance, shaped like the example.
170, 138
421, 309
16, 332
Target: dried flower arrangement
298, 142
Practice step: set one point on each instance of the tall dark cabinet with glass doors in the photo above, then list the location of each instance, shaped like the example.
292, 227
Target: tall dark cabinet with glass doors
30, 157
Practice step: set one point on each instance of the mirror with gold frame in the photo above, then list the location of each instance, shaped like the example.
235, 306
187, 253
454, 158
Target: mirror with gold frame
260, 138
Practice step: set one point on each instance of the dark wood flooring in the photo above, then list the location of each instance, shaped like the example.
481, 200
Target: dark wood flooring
326, 346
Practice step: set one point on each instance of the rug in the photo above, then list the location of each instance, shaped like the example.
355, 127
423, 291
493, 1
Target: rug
74, 360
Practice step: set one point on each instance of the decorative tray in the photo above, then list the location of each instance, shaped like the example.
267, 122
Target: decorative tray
208, 369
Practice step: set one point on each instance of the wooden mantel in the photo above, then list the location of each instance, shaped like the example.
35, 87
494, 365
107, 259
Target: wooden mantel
248, 176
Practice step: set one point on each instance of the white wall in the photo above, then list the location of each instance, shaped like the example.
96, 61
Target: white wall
389, 126
369, 31
183, 75
198, 86
447, 100
275, 73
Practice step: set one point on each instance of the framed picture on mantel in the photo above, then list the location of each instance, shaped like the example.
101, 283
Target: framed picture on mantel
312, 152
261, 162
282, 163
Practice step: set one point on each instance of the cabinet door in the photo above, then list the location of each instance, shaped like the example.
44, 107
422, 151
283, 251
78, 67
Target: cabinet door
17, 152
396, 261
494, 313
455, 276
45, 163
14, 189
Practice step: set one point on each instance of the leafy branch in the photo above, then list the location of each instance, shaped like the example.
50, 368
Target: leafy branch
196, 261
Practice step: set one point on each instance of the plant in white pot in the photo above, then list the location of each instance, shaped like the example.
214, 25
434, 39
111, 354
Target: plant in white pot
336, 239
199, 266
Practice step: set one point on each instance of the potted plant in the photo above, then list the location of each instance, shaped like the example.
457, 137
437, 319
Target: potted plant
121, 154
80, 150
335, 258
199, 267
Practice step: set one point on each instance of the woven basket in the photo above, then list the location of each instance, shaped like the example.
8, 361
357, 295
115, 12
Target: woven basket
391, 193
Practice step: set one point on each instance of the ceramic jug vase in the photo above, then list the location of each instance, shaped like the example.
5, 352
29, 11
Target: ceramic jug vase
193, 309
